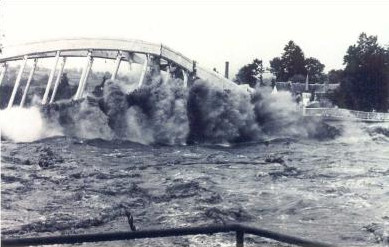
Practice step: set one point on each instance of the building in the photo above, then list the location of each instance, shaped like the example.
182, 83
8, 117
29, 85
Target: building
318, 92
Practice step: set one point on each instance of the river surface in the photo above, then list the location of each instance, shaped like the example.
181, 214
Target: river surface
335, 191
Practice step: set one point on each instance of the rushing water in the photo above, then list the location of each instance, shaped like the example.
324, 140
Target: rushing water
208, 155
335, 191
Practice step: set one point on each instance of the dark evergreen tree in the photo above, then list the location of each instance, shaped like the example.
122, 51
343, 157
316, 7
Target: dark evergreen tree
292, 64
315, 70
294, 60
278, 69
250, 73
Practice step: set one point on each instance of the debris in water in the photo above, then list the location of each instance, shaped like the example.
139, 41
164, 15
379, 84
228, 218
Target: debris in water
378, 231
271, 158
47, 158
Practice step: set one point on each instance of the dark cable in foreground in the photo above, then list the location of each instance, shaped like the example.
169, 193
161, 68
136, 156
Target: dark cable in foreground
157, 233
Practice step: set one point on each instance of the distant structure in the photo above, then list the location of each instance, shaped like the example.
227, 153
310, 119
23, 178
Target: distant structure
297, 88
313, 101
318, 93
306, 95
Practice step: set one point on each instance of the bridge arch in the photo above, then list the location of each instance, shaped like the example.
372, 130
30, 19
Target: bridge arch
129, 50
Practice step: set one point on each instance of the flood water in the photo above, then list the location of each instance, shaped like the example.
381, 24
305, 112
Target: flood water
335, 191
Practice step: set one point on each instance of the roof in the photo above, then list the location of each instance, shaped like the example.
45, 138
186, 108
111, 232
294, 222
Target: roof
300, 87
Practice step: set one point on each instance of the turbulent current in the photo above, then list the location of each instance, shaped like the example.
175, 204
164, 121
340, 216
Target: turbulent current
177, 157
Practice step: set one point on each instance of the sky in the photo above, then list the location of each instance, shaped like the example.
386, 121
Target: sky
210, 32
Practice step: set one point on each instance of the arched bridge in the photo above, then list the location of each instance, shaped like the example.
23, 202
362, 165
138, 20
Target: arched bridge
131, 51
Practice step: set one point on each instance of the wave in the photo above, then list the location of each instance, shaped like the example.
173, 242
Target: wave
164, 111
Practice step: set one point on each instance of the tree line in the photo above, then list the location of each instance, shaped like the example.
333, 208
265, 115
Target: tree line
363, 83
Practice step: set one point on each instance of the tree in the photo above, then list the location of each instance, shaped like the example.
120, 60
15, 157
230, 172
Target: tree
294, 60
277, 68
314, 69
298, 78
292, 64
365, 85
335, 76
250, 73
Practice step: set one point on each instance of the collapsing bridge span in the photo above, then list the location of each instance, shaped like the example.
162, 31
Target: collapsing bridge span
131, 51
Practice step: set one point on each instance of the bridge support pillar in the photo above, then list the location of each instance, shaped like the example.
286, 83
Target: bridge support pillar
86, 77
28, 82
130, 58
194, 71
117, 65
57, 81
144, 70
168, 73
83, 75
185, 77
51, 77
155, 66
17, 82
3, 72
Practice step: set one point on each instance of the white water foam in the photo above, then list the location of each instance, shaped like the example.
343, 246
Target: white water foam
26, 125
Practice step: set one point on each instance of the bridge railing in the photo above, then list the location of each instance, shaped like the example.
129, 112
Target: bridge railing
346, 114
239, 230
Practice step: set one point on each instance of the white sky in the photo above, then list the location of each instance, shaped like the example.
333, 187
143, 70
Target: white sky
210, 32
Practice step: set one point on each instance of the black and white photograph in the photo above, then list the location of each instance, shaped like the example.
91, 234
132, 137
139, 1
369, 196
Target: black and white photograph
191, 123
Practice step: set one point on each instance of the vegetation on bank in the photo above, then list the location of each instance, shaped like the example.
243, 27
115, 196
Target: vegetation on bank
364, 82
